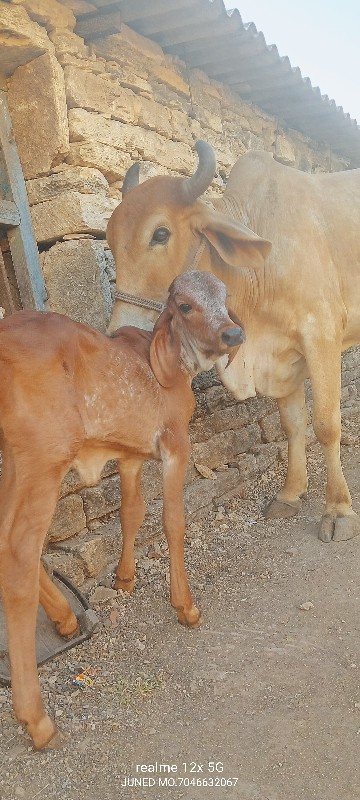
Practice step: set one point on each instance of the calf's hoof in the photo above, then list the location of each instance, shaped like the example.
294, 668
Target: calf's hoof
45, 734
68, 629
339, 529
278, 509
126, 584
189, 617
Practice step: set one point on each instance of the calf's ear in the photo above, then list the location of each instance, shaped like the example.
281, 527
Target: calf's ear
234, 318
234, 350
165, 351
234, 242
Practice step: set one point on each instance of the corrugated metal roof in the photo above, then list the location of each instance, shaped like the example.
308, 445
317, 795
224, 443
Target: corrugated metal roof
206, 36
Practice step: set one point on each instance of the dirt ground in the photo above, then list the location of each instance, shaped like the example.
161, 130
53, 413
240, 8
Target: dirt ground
260, 703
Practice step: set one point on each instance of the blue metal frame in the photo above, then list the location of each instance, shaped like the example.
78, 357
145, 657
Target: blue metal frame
16, 219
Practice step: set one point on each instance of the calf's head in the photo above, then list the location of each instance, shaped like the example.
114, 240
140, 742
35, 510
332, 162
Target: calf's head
161, 228
195, 328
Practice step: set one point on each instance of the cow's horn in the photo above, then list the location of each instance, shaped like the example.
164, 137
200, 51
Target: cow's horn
196, 185
131, 178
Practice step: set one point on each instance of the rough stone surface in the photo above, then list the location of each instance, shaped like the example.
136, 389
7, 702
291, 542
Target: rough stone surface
102, 595
170, 78
181, 126
37, 102
233, 418
67, 564
113, 163
68, 42
266, 455
80, 6
77, 282
129, 45
21, 40
71, 212
100, 500
271, 428
156, 117
69, 518
201, 493
93, 556
91, 63
223, 448
102, 94
285, 152
87, 126
90, 553
206, 102
134, 78
71, 483
152, 480
79, 179
49, 13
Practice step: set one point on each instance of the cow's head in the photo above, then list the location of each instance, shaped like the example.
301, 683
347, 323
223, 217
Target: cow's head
162, 229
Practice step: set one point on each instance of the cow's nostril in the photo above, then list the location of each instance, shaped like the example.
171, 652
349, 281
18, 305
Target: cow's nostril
233, 336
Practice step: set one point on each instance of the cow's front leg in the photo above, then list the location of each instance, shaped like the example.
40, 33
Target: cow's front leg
174, 469
339, 521
293, 418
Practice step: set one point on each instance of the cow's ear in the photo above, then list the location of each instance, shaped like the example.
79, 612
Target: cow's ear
165, 350
235, 243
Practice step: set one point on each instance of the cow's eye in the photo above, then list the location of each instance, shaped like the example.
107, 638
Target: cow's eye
185, 308
160, 236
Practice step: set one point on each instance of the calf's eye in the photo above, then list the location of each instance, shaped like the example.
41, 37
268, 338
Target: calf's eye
185, 308
160, 236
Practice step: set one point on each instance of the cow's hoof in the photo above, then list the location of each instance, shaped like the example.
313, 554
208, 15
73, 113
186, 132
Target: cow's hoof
278, 509
339, 529
190, 618
126, 584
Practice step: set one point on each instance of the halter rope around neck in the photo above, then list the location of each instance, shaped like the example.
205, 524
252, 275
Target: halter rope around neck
156, 305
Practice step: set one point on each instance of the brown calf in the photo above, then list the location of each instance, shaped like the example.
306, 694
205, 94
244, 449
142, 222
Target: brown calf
72, 397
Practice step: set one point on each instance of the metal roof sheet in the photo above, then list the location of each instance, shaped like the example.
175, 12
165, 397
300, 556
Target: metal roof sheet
207, 36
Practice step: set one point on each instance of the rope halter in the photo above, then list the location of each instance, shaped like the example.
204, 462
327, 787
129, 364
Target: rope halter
157, 305
153, 305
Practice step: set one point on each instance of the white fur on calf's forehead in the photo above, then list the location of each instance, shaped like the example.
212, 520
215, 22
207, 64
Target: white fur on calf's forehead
203, 288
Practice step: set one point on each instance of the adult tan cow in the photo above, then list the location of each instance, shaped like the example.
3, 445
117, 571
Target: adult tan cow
298, 297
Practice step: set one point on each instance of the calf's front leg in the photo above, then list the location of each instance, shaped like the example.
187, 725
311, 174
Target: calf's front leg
174, 469
132, 514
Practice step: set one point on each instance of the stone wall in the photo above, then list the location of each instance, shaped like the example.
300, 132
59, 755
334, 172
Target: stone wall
81, 115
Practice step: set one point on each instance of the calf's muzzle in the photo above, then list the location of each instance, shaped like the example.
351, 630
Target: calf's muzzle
233, 337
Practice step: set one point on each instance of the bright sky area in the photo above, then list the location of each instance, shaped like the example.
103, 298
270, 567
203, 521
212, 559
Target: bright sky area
319, 36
